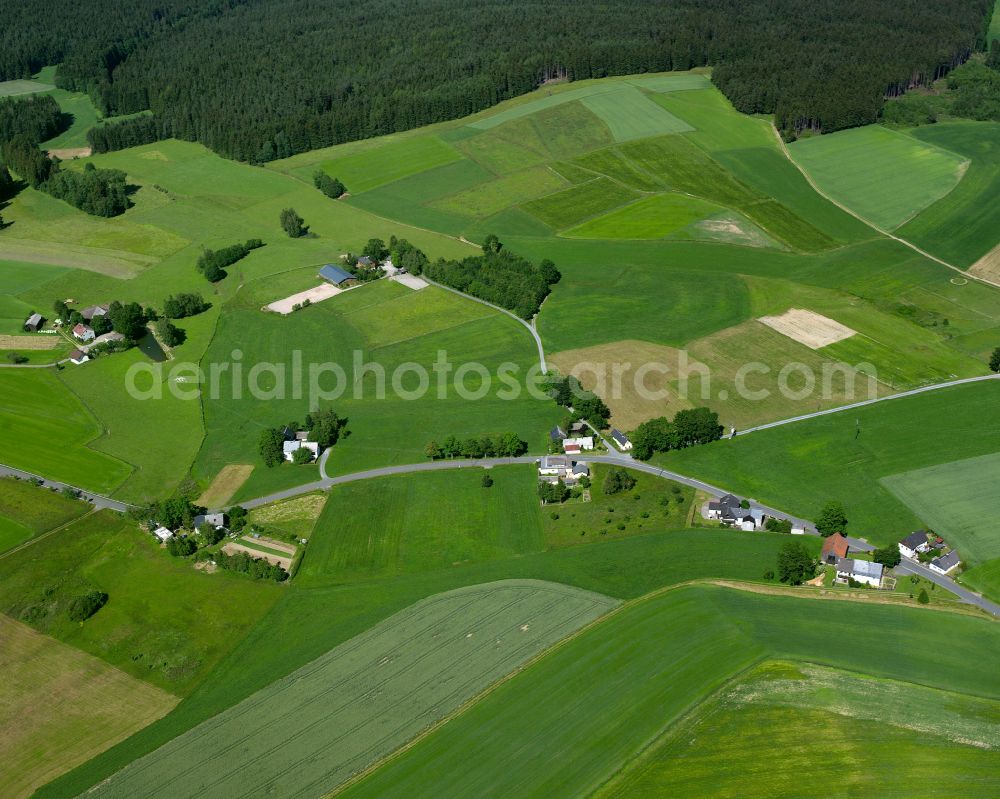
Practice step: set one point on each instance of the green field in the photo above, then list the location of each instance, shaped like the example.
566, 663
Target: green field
609, 691
885, 176
630, 114
165, 622
865, 737
580, 202
314, 729
392, 160
948, 499
27, 511
800, 466
9, 88
651, 218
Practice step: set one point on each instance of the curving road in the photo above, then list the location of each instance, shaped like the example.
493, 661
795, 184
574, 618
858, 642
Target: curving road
98, 501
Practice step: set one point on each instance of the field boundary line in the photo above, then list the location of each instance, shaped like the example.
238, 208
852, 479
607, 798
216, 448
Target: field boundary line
872, 225
46, 534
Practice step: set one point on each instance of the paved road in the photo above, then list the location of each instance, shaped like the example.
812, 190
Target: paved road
96, 500
863, 403
529, 325
908, 566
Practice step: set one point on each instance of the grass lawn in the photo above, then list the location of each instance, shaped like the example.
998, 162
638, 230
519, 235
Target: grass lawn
631, 114
948, 498
312, 730
44, 429
604, 694
962, 227
649, 218
885, 176
876, 737
800, 466
27, 511
165, 622
59, 707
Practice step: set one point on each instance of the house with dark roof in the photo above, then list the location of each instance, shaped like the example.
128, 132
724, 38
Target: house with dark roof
366, 262
335, 275
913, 544
621, 440
557, 433
945, 563
91, 311
834, 548
33, 323
580, 469
727, 509
78, 357
861, 571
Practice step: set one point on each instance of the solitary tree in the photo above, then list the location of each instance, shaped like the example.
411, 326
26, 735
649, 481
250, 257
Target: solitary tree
795, 564
487, 480
888, 556
491, 244
922, 597
995, 360
832, 519
271, 446
302, 455
293, 223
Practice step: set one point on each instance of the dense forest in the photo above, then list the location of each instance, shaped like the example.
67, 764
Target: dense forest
260, 79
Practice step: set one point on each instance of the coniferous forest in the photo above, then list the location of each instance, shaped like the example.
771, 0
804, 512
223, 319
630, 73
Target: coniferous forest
262, 79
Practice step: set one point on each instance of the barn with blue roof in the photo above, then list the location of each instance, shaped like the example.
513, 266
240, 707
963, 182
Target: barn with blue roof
335, 275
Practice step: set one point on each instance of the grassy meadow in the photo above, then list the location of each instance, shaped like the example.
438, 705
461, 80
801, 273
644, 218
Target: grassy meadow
27, 511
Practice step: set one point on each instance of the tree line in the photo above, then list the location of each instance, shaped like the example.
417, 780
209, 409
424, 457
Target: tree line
262, 79
505, 445
689, 427
37, 116
212, 263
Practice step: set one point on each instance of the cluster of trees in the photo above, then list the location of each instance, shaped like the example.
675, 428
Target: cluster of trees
795, 564
688, 428
995, 360
971, 91
888, 556
324, 426
406, 256
293, 224
553, 492
168, 333
179, 306
258, 568
171, 513
212, 263
498, 276
36, 116
331, 187
618, 480
237, 76
86, 605
504, 445
131, 132
569, 393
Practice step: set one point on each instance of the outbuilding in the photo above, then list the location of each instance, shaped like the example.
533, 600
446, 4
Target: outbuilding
33, 323
336, 275
78, 357
163, 534
835, 548
621, 440
945, 563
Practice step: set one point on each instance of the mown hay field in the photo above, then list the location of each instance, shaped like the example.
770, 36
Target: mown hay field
60, 707
309, 732
27, 511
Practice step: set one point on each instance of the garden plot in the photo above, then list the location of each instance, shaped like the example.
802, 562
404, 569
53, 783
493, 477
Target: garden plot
314, 295
807, 327
309, 732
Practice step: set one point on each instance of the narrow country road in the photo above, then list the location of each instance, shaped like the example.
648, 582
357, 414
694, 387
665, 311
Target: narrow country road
863, 403
98, 501
529, 325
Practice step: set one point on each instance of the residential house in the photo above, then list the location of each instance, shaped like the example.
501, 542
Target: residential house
33, 323
861, 571
834, 548
726, 508
91, 311
290, 447
621, 440
913, 544
366, 262
83, 332
336, 275
580, 469
163, 534
571, 449
582, 442
78, 357
556, 465
578, 427
215, 519
945, 563
557, 433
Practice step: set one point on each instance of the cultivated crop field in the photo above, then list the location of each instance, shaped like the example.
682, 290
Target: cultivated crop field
59, 707
309, 732
607, 692
885, 176
877, 736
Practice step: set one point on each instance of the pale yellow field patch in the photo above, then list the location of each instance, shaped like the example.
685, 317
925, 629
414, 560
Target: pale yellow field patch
644, 372
59, 707
29, 342
316, 294
226, 483
309, 506
232, 548
808, 327
69, 153
988, 267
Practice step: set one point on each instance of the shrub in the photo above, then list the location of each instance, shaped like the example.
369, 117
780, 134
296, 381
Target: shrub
83, 607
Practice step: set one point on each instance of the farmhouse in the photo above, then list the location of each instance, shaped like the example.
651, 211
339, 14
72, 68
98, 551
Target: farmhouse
33, 323
580, 469
91, 311
78, 357
945, 563
571, 449
621, 440
336, 275
217, 520
557, 433
913, 544
290, 447
163, 534
83, 332
580, 442
554, 465
834, 548
726, 508
861, 571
